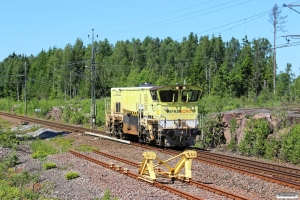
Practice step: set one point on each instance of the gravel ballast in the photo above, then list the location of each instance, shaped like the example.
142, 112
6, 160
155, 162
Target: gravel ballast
94, 180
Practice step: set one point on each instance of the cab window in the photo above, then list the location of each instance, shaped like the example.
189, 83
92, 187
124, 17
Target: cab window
168, 95
190, 95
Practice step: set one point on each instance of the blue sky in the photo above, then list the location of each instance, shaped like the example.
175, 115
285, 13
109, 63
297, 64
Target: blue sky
27, 27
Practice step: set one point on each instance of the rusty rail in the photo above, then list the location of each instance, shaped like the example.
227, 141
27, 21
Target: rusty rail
278, 174
126, 172
192, 182
255, 172
241, 163
64, 127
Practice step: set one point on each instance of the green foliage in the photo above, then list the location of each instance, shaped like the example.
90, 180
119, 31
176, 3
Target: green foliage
291, 145
232, 146
265, 98
108, 196
66, 115
4, 124
7, 191
49, 165
40, 154
85, 148
8, 139
61, 143
77, 118
14, 185
255, 137
281, 116
272, 148
10, 161
47, 188
71, 175
212, 131
43, 148
223, 68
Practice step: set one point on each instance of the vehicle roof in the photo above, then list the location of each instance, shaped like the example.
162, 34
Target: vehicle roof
144, 87
131, 88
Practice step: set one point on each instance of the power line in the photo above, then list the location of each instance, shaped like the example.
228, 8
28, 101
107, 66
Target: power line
160, 23
257, 16
158, 15
290, 7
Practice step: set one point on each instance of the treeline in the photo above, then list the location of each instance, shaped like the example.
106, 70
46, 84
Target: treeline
223, 68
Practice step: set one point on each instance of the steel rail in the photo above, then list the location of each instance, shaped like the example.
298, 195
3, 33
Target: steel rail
274, 178
125, 172
249, 165
192, 182
254, 163
238, 165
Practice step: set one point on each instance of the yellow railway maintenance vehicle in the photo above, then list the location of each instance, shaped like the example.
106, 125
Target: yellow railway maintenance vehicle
161, 115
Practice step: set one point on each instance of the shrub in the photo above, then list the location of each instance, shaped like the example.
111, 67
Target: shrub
212, 131
77, 118
8, 139
272, 148
49, 165
15, 185
107, 196
233, 142
291, 145
42, 148
255, 137
39, 154
12, 160
71, 175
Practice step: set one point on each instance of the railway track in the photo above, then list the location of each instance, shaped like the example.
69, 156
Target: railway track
135, 176
192, 182
156, 183
260, 170
286, 176
54, 125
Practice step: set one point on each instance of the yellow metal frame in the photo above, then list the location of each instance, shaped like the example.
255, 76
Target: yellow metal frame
148, 170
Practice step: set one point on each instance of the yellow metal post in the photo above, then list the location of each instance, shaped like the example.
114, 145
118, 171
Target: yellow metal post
148, 173
189, 155
147, 165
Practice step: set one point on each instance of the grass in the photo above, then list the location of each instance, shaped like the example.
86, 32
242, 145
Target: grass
4, 124
71, 175
85, 148
43, 148
49, 165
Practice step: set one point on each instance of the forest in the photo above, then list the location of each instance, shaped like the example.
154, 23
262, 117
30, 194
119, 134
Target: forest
224, 69
233, 74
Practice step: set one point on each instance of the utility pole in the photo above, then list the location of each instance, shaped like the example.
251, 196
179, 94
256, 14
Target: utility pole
70, 85
93, 107
25, 92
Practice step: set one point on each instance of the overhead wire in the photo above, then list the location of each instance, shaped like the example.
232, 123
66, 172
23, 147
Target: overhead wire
157, 15
164, 22
160, 23
261, 15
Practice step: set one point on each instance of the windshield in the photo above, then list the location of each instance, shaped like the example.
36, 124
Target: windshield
190, 95
168, 96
